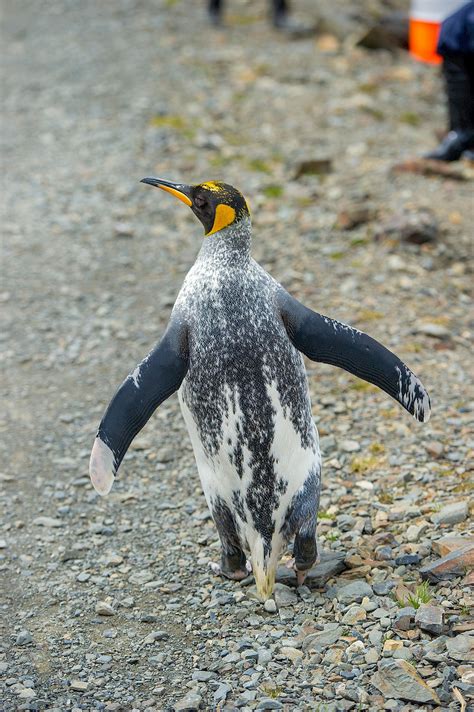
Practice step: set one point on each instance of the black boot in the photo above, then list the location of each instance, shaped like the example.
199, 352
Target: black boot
459, 76
452, 147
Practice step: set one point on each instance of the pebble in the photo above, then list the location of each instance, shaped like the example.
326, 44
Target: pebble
451, 513
189, 703
79, 685
404, 618
267, 703
400, 680
354, 592
284, 596
48, 522
24, 637
430, 618
270, 605
104, 609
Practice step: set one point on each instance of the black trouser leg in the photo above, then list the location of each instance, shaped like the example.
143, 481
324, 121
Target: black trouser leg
214, 8
279, 10
459, 77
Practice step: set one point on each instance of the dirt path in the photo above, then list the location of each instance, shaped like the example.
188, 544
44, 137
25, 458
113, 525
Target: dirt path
98, 95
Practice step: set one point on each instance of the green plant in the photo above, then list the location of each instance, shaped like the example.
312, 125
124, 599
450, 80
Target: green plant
422, 594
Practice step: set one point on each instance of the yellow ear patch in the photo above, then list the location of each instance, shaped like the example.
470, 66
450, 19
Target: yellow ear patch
225, 215
212, 185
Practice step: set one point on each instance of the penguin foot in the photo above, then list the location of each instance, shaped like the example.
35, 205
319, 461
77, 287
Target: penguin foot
236, 575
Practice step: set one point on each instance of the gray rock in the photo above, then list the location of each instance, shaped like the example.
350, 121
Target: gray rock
322, 639
24, 637
284, 596
399, 679
267, 703
430, 618
404, 618
203, 675
461, 647
264, 656
451, 513
104, 609
331, 563
190, 703
270, 606
354, 592
48, 522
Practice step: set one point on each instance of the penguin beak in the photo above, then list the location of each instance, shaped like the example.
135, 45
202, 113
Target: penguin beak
179, 190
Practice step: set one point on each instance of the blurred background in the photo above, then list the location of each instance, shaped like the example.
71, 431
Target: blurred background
321, 132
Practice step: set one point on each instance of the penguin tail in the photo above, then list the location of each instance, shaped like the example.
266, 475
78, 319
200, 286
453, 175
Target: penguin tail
265, 581
264, 566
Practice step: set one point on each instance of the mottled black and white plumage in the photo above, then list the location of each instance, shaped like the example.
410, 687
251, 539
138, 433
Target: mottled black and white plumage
233, 350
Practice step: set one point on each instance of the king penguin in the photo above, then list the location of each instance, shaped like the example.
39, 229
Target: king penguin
233, 350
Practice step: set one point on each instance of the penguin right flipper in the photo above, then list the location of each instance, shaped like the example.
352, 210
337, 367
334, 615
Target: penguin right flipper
154, 379
329, 341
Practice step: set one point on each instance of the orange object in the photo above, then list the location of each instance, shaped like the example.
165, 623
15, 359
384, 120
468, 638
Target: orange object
423, 39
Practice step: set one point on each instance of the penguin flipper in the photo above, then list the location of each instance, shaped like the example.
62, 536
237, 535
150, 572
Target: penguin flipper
154, 379
329, 341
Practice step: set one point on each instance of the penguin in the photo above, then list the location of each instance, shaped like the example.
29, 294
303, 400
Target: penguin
233, 350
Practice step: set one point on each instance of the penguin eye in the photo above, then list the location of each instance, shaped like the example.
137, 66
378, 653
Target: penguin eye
200, 202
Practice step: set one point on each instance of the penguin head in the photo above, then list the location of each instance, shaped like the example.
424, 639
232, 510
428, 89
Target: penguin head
216, 204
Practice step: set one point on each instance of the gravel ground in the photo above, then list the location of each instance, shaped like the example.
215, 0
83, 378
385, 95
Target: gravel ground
109, 603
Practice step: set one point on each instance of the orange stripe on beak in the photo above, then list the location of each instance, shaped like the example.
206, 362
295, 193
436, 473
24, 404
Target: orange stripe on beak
177, 194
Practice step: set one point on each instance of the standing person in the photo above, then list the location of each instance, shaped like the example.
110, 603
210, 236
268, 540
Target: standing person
456, 46
279, 12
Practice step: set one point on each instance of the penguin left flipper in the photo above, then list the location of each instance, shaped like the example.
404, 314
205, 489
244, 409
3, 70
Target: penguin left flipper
329, 341
154, 379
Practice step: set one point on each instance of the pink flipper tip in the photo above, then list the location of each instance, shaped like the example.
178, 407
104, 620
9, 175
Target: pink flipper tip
101, 467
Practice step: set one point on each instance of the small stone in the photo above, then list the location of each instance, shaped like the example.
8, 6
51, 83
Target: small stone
390, 646
203, 675
454, 564
407, 560
27, 694
434, 448
350, 445
190, 703
452, 513
3, 544
404, 618
354, 614
268, 703
323, 638
79, 685
430, 618
353, 592
312, 166
333, 656
436, 331
154, 636
24, 637
352, 216
400, 680
372, 657
264, 656
284, 596
461, 648
415, 531
270, 606
104, 609
416, 226
48, 522
83, 577
291, 653
447, 544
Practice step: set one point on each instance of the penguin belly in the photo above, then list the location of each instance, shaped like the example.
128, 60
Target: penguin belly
261, 475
